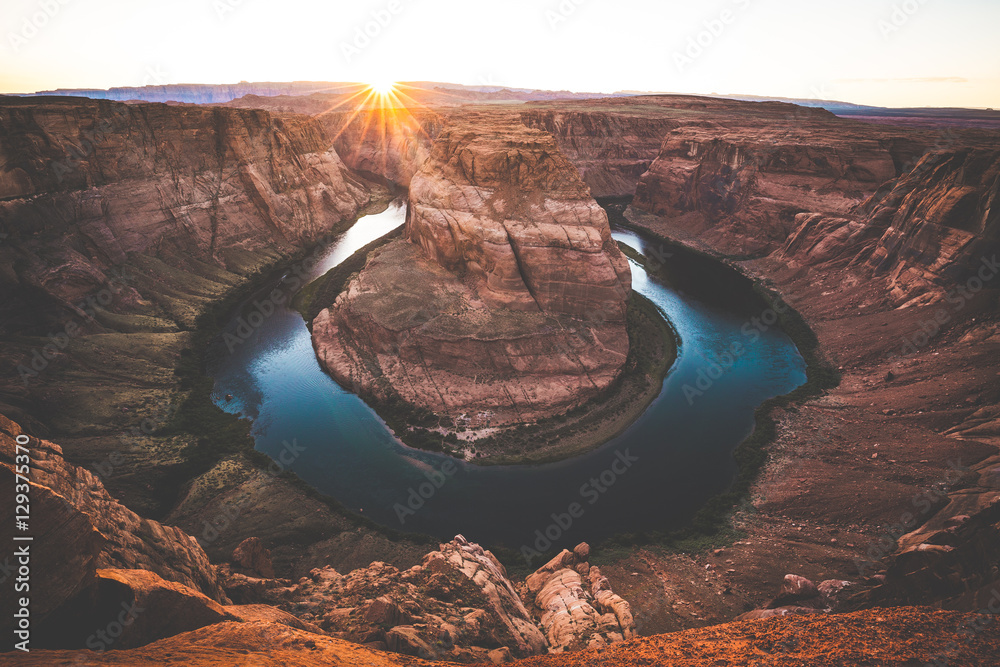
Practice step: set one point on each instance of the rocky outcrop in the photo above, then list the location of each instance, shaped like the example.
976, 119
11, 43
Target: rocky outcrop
80, 513
504, 206
457, 605
575, 604
391, 145
743, 189
611, 147
149, 608
941, 222
951, 557
505, 303
253, 557
799, 596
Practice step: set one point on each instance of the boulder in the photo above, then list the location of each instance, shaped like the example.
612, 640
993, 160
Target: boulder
137, 607
252, 556
575, 605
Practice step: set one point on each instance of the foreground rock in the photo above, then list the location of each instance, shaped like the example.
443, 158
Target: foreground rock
883, 637
575, 604
92, 529
505, 303
459, 605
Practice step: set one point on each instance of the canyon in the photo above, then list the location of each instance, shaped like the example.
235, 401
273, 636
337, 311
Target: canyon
875, 234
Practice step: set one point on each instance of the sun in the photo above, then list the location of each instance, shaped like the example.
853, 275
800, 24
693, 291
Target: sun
383, 88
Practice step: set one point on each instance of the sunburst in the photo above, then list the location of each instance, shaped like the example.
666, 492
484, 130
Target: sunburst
383, 88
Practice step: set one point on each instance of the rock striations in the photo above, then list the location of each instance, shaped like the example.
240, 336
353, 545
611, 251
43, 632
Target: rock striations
86, 185
506, 300
934, 226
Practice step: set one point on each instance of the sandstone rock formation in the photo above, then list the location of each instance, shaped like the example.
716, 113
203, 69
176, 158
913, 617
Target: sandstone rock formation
253, 556
114, 580
755, 185
900, 288
513, 305
458, 605
610, 145
932, 228
206, 184
87, 517
799, 596
575, 604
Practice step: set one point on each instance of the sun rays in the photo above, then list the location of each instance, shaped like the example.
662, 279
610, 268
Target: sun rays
382, 114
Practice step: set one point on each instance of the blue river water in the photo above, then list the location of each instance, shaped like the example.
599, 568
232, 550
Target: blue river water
654, 476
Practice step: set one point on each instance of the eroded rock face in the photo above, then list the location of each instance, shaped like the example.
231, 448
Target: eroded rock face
611, 147
943, 222
505, 303
744, 188
935, 227
457, 605
88, 518
575, 604
503, 205
254, 557
85, 184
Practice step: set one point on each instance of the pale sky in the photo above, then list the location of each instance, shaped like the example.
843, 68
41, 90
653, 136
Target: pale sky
926, 53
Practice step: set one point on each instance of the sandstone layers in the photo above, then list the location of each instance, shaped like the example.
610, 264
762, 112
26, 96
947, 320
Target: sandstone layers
85, 185
505, 302
934, 227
